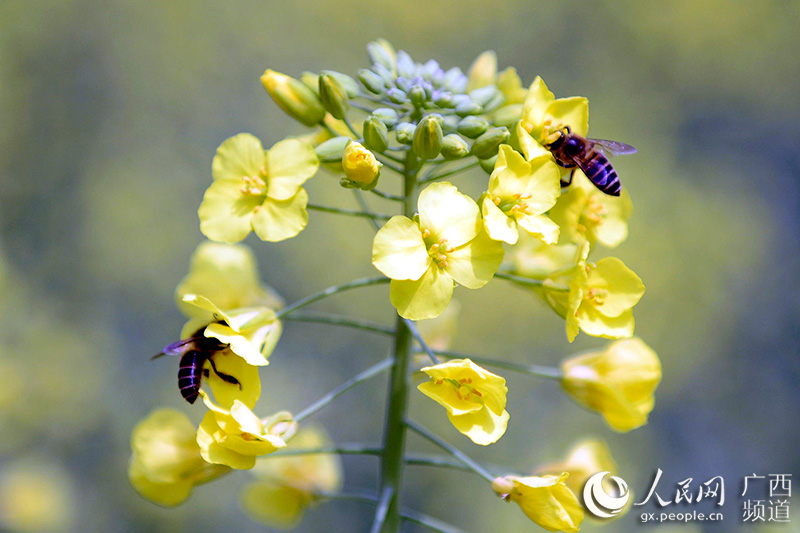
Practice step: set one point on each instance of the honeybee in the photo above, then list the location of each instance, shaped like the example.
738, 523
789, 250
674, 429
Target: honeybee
570, 150
194, 352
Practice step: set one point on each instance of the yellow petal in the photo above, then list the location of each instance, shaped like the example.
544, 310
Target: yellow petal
238, 156
278, 506
482, 427
247, 391
399, 251
523, 141
448, 214
445, 394
540, 227
214, 452
499, 226
551, 505
624, 287
572, 112
598, 325
483, 71
168, 494
277, 220
424, 298
536, 102
225, 212
289, 164
473, 265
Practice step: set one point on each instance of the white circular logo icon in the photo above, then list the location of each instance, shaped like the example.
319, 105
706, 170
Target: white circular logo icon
601, 504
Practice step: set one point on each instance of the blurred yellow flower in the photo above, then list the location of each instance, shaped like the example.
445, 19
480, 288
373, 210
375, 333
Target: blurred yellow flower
519, 194
544, 499
600, 297
585, 214
585, 459
235, 436
287, 486
424, 257
534, 259
226, 274
483, 71
257, 191
36, 496
618, 382
475, 399
166, 462
250, 332
361, 168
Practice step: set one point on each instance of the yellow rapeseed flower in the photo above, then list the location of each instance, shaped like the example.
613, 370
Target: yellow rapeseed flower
257, 191
425, 256
585, 459
166, 462
543, 115
544, 499
236, 436
585, 214
287, 486
361, 167
617, 382
475, 399
519, 194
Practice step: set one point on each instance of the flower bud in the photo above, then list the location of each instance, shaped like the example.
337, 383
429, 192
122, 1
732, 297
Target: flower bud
443, 99
385, 74
310, 80
487, 165
417, 96
507, 115
472, 127
405, 132
291, 95
361, 168
332, 150
349, 84
371, 81
386, 115
484, 95
483, 70
428, 137
455, 80
454, 147
376, 136
468, 108
381, 52
405, 65
487, 144
333, 95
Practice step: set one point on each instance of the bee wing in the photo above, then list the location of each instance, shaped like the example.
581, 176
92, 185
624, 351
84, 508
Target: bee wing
610, 148
176, 348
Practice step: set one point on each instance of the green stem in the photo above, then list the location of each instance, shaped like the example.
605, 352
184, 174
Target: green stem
341, 449
431, 176
541, 371
330, 291
531, 282
362, 203
348, 212
387, 196
387, 164
352, 382
452, 450
381, 513
338, 320
434, 524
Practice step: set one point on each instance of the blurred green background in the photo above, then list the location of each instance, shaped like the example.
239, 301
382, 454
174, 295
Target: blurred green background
110, 113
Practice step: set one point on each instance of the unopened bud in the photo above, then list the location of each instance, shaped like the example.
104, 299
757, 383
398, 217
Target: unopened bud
417, 96
376, 136
472, 127
488, 164
381, 52
397, 96
333, 95
371, 81
349, 84
483, 70
484, 95
428, 137
386, 115
508, 115
468, 108
487, 144
454, 147
405, 132
361, 168
332, 150
405, 65
291, 95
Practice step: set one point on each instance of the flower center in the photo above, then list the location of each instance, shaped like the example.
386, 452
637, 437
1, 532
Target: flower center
464, 389
437, 250
598, 296
514, 204
550, 132
255, 185
592, 215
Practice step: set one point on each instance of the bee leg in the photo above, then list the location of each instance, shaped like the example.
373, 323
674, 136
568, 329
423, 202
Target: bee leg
569, 180
227, 378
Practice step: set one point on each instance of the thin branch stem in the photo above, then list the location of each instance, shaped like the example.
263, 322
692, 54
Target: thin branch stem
350, 127
387, 164
330, 291
352, 382
434, 524
362, 203
387, 196
340, 320
341, 449
541, 371
452, 450
431, 176
418, 336
530, 282
348, 212
383, 508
